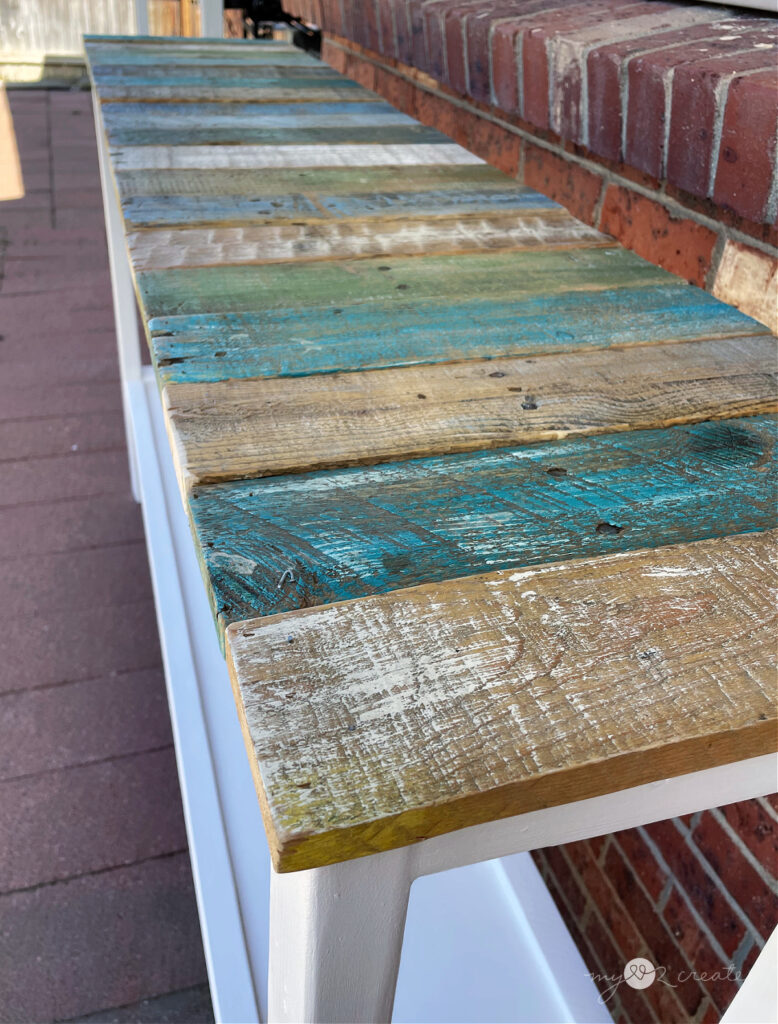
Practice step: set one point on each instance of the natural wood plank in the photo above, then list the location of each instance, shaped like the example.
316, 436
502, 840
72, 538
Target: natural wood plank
289, 542
163, 249
253, 428
341, 180
382, 722
185, 157
406, 283
378, 335
226, 210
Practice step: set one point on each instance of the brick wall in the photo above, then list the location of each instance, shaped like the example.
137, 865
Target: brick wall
697, 895
655, 122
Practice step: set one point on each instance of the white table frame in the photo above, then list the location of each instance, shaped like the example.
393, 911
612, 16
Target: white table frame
335, 933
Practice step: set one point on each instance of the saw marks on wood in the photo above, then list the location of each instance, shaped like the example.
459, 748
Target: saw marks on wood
255, 428
385, 721
289, 542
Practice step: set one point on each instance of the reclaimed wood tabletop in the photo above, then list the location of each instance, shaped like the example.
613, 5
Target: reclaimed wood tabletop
485, 504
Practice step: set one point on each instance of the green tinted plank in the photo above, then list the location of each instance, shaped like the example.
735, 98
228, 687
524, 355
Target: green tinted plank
282, 543
144, 124
270, 343
154, 53
155, 211
399, 283
334, 181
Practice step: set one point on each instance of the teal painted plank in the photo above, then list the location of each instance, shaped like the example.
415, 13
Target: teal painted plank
174, 52
153, 211
399, 282
282, 543
295, 342
261, 77
170, 124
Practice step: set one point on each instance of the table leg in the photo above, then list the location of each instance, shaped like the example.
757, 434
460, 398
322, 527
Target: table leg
124, 304
335, 940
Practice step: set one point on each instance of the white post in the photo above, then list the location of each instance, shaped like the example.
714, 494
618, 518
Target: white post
335, 940
124, 305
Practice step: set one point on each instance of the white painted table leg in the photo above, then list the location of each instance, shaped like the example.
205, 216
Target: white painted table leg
124, 304
335, 940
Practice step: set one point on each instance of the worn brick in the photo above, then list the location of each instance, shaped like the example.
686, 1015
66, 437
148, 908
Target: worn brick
662, 949
757, 829
699, 886
126, 934
60, 726
478, 29
642, 861
495, 144
741, 879
748, 279
454, 24
632, 1000
569, 184
719, 980
679, 245
747, 153
558, 866
59, 824
624, 933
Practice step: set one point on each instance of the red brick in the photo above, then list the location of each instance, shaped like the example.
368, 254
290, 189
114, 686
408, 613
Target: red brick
751, 957
478, 28
757, 829
642, 861
333, 55
719, 978
103, 940
387, 29
679, 245
632, 1000
560, 870
504, 66
772, 800
699, 886
604, 71
494, 144
742, 881
711, 1015
454, 23
566, 182
662, 949
595, 883
693, 112
597, 843
747, 152
56, 727
437, 112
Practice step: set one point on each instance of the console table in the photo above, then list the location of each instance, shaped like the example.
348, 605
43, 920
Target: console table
484, 507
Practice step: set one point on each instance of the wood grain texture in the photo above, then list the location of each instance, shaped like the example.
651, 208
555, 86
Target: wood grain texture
171, 53
269, 124
382, 722
274, 155
254, 428
224, 210
407, 284
290, 542
336, 181
302, 342
166, 248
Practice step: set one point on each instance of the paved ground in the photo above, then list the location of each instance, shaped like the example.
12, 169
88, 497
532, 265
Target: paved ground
97, 908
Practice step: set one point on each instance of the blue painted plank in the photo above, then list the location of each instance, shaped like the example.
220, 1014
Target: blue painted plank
154, 211
282, 543
171, 124
295, 342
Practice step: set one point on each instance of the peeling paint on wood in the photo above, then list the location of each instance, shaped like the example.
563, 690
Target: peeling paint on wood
385, 721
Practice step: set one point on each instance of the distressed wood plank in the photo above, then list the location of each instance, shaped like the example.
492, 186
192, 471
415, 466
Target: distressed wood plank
269, 124
253, 428
247, 157
382, 722
224, 210
283, 543
342, 180
300, 342
166, 248
407, 282
170, 53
